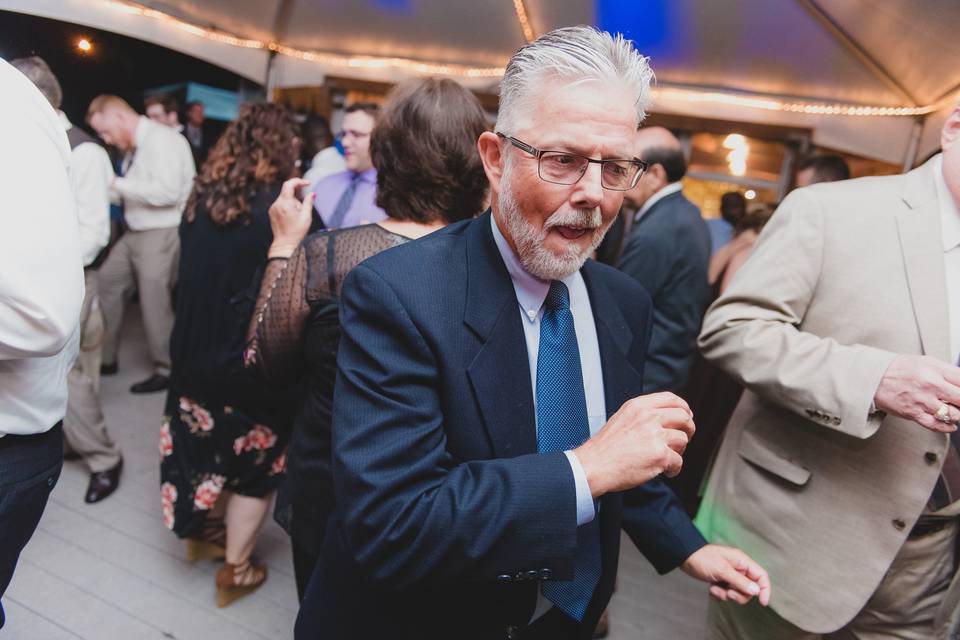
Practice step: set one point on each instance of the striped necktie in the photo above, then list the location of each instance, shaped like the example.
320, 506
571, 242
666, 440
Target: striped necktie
343, 204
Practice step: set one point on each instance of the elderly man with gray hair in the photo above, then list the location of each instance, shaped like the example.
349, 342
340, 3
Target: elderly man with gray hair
490, 436
84, 427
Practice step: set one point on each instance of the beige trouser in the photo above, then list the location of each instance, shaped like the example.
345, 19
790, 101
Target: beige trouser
84, 429
147, 260
904, 606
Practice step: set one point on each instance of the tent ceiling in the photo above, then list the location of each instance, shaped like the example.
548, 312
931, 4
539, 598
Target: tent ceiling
777, 47
889, 53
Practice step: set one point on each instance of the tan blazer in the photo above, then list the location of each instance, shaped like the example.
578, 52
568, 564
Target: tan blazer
845, 276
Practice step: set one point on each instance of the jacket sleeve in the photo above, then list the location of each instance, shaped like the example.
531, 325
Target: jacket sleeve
653, 517
411, 514
753, 332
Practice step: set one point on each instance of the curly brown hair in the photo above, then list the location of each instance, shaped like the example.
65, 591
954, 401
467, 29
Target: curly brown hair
255, 152
425, 150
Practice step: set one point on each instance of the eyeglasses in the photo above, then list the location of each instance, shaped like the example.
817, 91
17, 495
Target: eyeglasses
562, 167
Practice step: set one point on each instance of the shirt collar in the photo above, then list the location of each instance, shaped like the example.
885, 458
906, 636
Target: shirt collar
949, 211
143, 125
65, 121
531, 291
369, 176
673, 187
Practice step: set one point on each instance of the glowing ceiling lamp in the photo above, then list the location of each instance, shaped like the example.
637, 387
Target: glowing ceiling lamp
739, 150
84, 46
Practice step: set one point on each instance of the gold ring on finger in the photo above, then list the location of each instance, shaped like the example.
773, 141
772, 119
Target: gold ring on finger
943, 413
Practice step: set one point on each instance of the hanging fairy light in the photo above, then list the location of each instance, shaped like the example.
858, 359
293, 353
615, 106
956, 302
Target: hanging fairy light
465, 71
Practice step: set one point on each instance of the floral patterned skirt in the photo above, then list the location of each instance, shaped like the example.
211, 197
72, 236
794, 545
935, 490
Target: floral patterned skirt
207, 449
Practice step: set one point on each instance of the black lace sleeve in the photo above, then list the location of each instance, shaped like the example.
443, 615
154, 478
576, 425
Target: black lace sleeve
275, 335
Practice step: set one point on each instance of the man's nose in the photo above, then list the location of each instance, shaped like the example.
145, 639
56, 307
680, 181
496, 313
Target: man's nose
589, 189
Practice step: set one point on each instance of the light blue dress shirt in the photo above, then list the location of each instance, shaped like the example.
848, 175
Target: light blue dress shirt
531, 294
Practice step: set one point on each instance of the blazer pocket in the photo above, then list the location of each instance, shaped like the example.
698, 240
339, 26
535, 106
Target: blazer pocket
755, 451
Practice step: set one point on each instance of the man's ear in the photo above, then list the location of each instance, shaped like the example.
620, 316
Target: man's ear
950, 134
491, 154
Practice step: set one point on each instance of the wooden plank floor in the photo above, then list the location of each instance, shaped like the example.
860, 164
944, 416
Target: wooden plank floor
111, 571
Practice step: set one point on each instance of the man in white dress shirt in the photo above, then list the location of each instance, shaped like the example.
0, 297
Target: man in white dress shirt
84, 427
41, 290
157, 179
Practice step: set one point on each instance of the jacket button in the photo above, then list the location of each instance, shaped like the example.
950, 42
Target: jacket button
545, 574
532, 575
899, 524
504, 578
930, 457
836, 422
520, 576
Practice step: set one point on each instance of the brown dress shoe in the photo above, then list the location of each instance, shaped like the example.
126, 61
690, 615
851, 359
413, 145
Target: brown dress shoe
103, 483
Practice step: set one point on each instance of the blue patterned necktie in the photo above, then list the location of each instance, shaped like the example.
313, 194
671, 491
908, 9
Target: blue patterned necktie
343, 204
562, 424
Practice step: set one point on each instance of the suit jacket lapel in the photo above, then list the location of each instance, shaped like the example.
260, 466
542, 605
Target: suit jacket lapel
500, 372
921, 243
615, 337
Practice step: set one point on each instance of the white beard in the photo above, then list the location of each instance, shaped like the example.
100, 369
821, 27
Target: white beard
536, 259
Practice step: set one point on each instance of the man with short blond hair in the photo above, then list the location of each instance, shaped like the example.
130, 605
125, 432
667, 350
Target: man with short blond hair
158, 174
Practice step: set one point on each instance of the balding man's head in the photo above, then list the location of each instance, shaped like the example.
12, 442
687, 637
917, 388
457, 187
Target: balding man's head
114, 120
666, 164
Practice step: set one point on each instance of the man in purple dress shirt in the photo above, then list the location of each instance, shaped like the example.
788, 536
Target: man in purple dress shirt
348, 198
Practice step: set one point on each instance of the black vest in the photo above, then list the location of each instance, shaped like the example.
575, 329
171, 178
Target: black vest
77, 136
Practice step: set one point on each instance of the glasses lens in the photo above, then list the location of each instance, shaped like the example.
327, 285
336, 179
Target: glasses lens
619, 174
561, 168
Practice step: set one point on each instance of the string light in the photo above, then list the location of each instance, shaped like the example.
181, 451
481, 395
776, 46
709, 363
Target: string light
84, 46
524, 19
464, 71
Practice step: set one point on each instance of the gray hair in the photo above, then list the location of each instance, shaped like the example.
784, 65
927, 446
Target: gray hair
575, 53
39, 73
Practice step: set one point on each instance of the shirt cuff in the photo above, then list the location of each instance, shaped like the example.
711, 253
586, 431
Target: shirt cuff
585, 508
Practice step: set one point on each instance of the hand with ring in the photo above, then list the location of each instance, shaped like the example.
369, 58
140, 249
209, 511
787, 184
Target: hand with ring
943, 413
922, 389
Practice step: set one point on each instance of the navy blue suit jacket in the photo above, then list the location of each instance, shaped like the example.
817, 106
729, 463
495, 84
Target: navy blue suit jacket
447, 518
668, 252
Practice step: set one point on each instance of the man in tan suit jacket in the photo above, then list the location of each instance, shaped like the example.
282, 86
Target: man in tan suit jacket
844, 326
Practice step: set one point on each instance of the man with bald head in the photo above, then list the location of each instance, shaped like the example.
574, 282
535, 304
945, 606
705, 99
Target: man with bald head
667, 251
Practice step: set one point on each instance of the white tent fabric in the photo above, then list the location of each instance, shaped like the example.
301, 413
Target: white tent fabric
890, 53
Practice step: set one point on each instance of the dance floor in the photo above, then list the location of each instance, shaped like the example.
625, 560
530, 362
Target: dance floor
111, 571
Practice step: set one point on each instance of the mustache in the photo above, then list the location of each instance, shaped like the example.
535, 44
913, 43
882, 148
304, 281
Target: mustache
585, 218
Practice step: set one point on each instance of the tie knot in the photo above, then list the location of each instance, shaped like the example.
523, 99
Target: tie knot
558, 297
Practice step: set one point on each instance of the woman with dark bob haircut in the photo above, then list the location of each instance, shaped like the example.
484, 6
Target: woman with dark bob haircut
224, 432
429, 174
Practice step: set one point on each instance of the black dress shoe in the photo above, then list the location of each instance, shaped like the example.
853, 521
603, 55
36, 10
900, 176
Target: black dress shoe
156, 382
102, 484
603, 626
108, 369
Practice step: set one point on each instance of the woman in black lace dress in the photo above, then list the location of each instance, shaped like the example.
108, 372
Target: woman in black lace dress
429, 175
224, 432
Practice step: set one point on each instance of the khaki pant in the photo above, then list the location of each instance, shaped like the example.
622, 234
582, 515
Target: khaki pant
146, 260
84, 429
904, 607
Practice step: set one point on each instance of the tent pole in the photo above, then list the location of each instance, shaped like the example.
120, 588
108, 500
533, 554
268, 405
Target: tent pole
850, 44
914, 144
